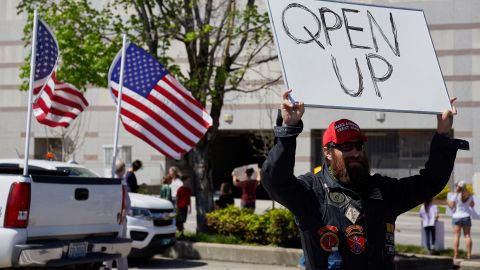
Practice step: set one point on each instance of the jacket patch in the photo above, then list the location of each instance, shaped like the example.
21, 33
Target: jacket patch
390, 227
376, 194
390, 249
337, 197
352, 214
355, 238
328, 237
390, 238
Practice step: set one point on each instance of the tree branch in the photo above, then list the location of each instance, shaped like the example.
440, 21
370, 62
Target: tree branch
267, 84
244, 38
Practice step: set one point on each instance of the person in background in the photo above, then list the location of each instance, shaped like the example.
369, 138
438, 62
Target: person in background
429, 216
122, 263
176, 181
226, 197
132, 182
183, 205
461, 218
166, 191
249, 188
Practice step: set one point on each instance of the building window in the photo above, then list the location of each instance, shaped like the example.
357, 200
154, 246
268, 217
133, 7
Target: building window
124, 153
44, 145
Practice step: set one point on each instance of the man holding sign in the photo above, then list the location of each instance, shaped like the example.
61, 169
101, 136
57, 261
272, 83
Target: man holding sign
343, 206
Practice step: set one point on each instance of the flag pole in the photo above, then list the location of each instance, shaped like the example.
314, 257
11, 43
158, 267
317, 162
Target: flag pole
30, 90
119, 105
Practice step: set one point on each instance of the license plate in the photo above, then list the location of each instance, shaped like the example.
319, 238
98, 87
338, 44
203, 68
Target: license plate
77, 250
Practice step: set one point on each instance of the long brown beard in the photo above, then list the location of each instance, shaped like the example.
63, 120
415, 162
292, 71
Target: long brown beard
355, 175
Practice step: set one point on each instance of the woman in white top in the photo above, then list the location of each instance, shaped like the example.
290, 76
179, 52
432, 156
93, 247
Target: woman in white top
460, 205
429, 215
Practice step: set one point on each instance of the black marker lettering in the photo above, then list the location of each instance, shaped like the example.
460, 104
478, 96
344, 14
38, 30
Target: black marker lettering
337, 25
348, 28
340, 80
371, 19
313, 36
376, 79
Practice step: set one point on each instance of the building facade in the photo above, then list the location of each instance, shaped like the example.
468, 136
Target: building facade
398, 142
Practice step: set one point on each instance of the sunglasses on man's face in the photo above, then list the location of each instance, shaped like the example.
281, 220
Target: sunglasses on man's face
348, 146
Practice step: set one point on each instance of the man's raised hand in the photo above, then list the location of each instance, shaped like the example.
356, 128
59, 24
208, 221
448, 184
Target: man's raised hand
445, 120
291, 112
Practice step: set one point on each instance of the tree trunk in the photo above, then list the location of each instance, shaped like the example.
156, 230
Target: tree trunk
202, 186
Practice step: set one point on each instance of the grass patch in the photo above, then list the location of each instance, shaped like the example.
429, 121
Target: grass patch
213, 238
420, 250
441, 209
410, 249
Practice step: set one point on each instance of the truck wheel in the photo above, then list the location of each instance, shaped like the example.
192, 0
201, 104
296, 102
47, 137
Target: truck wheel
92, 266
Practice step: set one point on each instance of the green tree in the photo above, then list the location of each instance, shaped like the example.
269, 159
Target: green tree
223, 40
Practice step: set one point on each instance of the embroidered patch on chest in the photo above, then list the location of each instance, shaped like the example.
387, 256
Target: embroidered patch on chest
390, 238
337, 197
352, 214
328, 237
376, 194
355, 238
390, 227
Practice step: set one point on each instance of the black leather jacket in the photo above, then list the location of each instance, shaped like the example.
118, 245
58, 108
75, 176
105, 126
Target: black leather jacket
362, 225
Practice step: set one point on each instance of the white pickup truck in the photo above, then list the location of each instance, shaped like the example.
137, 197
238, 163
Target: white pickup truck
48, 219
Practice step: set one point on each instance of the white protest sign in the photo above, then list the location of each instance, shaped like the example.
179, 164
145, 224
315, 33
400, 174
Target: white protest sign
241, 172
356, 56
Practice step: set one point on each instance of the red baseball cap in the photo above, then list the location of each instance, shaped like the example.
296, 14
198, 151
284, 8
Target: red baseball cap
341, 131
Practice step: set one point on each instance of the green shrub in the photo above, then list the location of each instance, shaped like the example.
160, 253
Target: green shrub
443, 194
282, 230
275, 227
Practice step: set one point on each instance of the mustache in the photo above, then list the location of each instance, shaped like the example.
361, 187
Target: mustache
356, 159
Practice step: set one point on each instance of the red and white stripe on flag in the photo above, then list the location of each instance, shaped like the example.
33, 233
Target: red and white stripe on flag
170, 119
58, 104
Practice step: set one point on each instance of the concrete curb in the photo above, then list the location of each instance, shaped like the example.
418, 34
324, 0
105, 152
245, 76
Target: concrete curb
289, 256
469, 265
236, 253
424, 262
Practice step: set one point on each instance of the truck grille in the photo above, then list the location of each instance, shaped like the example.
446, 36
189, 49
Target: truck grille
161, 211
162, 222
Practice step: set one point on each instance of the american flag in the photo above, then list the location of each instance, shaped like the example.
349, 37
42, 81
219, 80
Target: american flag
155, 106
56, 103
